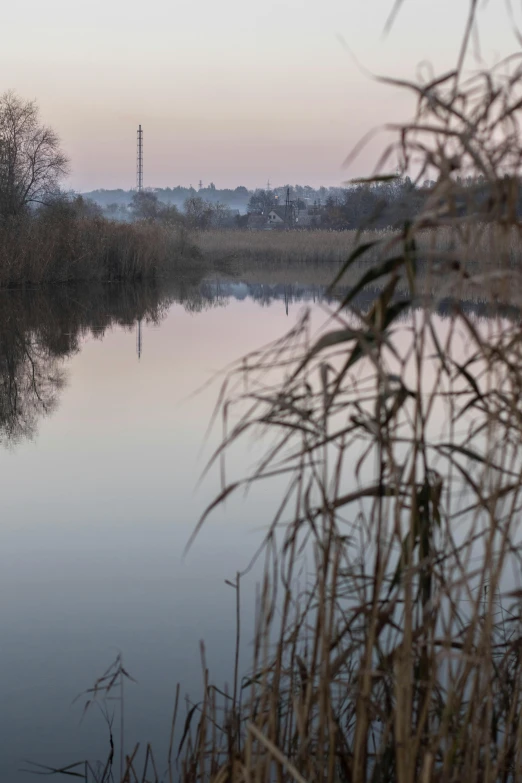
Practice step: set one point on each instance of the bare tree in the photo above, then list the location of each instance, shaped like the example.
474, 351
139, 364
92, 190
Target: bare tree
31, 161
145, 206
222, 214
198, 212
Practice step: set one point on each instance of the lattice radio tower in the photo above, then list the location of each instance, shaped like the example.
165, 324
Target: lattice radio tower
139, 161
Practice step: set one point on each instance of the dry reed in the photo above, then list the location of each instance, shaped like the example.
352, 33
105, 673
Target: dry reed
398, 659
57, 249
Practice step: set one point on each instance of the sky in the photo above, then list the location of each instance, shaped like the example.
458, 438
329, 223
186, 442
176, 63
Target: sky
235, 92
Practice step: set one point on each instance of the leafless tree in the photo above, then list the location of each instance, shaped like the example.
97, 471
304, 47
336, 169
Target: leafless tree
198, 212
31, 161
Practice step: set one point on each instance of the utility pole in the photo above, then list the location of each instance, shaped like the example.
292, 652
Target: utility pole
289, 209
139, 161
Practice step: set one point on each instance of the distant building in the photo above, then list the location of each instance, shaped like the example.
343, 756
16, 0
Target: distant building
277, 216
292, 217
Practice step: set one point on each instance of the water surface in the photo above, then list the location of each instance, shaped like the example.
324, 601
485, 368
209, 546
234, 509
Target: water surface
101, 440
101, 452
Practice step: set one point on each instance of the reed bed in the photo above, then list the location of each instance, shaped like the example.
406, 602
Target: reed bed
53, 248
315, 257
389, 620
279, 248
276, 247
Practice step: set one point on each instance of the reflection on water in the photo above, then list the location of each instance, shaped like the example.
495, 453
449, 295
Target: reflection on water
39, 329
98, 505
30, 379
98, 500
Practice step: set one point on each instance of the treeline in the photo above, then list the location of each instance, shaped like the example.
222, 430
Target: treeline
118, 203
196, 213
393, 203
377, 205
384, 204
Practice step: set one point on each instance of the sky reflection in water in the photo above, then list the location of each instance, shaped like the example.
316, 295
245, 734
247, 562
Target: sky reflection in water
98, 505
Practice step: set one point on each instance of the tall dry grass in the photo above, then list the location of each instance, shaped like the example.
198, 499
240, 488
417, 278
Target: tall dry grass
287, 248
389, 624
58, 248
276, 247
316, 256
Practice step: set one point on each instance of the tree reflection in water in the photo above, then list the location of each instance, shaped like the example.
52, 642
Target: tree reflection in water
30, 380
41, 328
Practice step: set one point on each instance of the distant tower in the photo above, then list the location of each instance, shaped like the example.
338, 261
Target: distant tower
139, 161
201, 184
268, 184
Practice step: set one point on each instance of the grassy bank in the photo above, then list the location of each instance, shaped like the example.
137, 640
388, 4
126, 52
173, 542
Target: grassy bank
481, 242
470, 259
52, 247
276, 247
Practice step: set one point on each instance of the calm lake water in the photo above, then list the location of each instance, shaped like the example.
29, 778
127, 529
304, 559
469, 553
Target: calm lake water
101, 447
100, 453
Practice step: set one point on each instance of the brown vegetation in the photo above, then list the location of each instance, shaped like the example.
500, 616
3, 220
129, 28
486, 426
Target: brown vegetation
56, 247
276, 247
318, 246
316, 256
389, 625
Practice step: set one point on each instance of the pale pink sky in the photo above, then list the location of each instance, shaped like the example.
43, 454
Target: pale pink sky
233, 92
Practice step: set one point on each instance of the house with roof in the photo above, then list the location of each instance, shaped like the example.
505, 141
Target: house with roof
278, 216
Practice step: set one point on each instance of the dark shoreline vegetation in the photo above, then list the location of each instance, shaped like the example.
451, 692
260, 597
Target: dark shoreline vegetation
56, 246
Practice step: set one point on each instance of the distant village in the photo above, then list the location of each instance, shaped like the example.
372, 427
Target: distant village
261, 209
290, 207
293, 213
